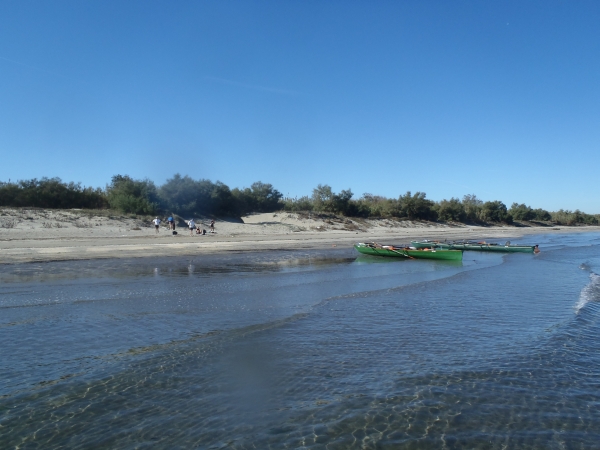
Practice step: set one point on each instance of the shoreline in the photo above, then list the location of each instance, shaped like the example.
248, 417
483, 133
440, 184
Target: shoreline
38, 235
65, 248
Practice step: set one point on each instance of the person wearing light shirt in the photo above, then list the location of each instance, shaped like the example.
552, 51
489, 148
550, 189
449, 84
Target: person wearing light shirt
156, 224
192, 226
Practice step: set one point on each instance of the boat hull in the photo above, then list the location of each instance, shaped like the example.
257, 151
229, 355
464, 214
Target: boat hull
439, 254
476, 247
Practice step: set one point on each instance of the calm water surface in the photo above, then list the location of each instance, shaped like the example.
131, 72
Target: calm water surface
304, 349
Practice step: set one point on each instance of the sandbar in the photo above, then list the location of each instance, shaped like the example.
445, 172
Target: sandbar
54, 235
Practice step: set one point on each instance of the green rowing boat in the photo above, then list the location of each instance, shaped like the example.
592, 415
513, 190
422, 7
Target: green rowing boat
406, 252
476, 246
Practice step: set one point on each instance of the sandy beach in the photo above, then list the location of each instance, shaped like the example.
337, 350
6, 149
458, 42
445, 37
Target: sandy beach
28, 235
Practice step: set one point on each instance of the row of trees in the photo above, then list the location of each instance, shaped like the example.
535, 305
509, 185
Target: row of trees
415, 207
51, 193
188, 197
182, 195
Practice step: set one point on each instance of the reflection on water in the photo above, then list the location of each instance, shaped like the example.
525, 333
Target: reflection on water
368, 259
205, 265
303, 349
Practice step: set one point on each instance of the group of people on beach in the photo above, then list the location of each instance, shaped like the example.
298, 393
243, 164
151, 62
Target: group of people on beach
196, 229
191, 225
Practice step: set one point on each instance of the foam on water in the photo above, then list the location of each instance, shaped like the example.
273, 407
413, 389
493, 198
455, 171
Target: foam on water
590, 293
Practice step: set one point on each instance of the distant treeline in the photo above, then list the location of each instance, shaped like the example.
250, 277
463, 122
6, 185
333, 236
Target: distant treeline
51, 193
189, 198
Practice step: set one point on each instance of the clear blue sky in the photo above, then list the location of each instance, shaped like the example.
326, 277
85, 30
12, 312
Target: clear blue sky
496, 98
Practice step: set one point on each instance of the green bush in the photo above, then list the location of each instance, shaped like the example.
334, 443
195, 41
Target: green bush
576, 217
472, 206
416, 207
51, 193
189, 197
524, 212
222, 201
298, 204
325, 200
451, 210
495, 212
132, 196
541, 214
260, 197
521, 212
370, 205
360, 208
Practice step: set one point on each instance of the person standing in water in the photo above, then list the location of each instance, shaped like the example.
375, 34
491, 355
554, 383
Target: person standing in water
156, 224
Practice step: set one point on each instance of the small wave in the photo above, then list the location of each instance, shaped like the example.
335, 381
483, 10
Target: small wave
590, 293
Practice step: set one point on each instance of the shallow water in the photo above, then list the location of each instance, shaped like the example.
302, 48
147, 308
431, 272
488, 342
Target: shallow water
304, 349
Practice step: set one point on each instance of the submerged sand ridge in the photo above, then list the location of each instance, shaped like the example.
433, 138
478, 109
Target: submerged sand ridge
47, 235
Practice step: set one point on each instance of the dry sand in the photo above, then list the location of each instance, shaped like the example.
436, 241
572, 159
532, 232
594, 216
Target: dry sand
48, 235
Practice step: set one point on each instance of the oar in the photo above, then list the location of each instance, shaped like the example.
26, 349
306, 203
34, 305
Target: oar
375, 245
403, 253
